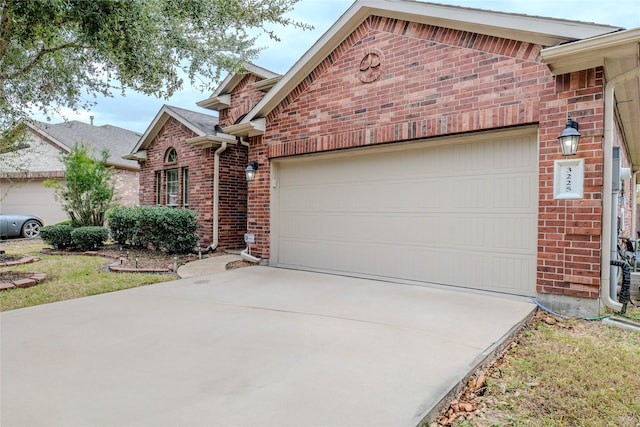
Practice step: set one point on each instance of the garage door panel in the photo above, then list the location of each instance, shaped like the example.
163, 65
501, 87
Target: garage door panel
31, 197
460, 214
488, 233
461, 267
488, 192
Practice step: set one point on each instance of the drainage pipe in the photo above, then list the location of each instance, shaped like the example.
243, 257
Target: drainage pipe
216, 185
625, 289
613, 276
245, 255
609, 227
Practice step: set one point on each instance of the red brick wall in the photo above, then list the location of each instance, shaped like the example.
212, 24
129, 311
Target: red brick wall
435, 82
243, 98
232, 190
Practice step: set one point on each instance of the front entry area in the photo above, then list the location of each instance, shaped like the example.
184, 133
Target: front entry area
458, 211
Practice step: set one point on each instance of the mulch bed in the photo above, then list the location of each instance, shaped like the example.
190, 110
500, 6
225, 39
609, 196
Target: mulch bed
128, 259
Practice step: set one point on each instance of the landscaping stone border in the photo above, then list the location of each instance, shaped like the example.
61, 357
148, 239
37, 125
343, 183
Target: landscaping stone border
23, 260
32, 279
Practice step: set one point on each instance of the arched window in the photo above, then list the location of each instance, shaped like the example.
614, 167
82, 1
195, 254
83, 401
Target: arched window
171, 156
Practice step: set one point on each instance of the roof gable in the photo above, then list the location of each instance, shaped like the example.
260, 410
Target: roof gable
115, 140
531, 29
201, 124
220, 98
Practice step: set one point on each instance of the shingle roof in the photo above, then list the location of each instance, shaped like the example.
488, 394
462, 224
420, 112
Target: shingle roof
201, 124
117, 141
205, 122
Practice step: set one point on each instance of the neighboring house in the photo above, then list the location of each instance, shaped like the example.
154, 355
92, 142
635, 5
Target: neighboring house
186, 161
23, 172
417, 142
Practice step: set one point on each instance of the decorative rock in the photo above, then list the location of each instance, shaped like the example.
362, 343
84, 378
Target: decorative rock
4, 286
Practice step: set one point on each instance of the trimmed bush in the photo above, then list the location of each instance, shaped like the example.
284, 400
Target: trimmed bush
124, 225
163, 228
58, 236
89, 238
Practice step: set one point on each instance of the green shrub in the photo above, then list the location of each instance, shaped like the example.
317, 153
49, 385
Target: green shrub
89, 238
124, 225
58, 236
176, 230
163, 228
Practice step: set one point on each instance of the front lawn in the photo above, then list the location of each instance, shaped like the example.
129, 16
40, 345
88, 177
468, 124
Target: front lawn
68, 276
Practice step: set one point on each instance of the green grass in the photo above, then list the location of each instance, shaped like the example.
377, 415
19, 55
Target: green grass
68, 277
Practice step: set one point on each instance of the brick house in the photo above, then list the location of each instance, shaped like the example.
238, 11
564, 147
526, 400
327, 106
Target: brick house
187, 161
419, 142
23, 172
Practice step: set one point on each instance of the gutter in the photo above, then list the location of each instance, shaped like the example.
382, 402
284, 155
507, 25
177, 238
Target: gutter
607, 284
216, 184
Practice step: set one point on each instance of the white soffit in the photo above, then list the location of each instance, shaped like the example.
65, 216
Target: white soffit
206, 141
216, 102
248, 129
593, 52
538, 30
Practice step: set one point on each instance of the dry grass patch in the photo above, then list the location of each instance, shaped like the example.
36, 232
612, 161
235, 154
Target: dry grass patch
558, 373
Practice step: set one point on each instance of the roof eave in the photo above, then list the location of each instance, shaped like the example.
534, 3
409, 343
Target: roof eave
266, 84
139, 156
248, 129
207, 141
216, 103
590, 53
231, 81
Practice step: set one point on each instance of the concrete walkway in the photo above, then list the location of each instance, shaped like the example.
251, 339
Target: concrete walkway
203, 267
255, 346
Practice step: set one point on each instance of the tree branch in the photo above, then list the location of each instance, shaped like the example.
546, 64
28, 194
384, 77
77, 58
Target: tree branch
5, 30
43, 52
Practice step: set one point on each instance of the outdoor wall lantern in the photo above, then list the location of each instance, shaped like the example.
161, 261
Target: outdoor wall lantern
250, 171
569, 138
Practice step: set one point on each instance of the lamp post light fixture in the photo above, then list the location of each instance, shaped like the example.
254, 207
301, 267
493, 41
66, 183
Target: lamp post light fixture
569, 138
250, 171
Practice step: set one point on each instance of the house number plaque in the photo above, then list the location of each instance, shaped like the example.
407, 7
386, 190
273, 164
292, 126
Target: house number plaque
568, 180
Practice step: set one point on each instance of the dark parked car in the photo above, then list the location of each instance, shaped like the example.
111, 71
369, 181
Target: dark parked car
20, 226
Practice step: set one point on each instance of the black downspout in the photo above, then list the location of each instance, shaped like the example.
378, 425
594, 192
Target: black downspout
625, 290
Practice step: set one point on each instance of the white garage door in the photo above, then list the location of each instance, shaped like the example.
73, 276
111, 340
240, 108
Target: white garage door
31, 198
462, 213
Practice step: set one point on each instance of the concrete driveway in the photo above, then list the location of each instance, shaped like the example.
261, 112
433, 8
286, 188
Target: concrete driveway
257, 346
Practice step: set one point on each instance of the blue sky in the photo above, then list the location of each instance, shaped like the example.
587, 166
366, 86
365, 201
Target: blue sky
135, 112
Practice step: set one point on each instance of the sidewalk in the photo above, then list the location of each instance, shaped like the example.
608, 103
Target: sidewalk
203, 267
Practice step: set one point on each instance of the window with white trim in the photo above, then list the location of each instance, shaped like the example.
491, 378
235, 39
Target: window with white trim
185, 187
171, 179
